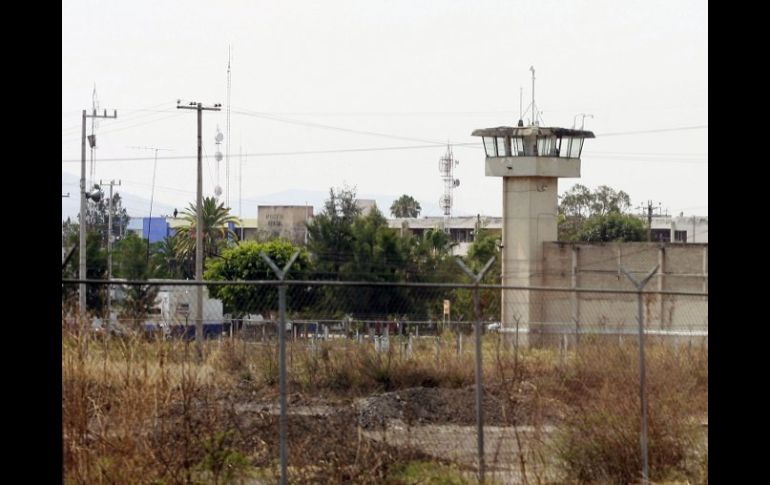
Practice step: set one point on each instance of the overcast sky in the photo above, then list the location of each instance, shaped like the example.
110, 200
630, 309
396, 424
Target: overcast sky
313, 76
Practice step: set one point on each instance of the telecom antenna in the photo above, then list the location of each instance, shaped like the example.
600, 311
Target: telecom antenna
446, 166
521, 114
240, 183
152, 190
227, 131
534, 107
218, 157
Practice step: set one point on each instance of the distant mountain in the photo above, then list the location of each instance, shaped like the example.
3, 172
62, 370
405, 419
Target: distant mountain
138, 206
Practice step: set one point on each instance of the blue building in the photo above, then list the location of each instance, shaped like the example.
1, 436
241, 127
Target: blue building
154, 228
158, 228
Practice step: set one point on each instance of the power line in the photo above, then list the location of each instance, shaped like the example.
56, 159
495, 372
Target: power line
68, 140
270, 154
329, 127
132, 117
661, 130
628, 157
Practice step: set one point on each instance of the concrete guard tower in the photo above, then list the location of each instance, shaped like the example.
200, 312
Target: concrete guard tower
530, 159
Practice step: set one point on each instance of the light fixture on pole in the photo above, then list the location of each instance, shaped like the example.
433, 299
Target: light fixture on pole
583, 121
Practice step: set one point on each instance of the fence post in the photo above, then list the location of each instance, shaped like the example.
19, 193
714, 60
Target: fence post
409, 347
479, 370
281, 327
516, 344
385, 339
642, 391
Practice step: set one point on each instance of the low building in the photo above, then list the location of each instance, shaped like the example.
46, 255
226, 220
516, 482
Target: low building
462, 229
287, 221
681, 229
366, 205
158, 228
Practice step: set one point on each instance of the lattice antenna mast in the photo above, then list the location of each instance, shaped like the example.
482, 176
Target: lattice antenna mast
218, 157
240, 181
446, 167
227, 130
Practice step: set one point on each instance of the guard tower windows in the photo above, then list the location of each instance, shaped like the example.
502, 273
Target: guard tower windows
490, 146
505, 142
571, 146
547, 146
517, 146
502, 149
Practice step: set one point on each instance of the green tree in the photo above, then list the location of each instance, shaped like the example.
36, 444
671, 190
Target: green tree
378, 254
96, 268
429, 260
405, 206
243, 262
129, 258
130, 262
579, 204
485, 245
607, 200
169, 260
330, 233
216, 230
613, 226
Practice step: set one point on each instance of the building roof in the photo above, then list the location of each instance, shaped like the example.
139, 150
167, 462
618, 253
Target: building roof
463, 222
530, 131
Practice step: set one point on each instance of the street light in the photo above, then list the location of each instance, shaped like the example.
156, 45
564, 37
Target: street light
95, 195
583, 122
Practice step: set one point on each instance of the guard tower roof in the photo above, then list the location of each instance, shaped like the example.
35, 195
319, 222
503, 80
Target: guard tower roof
530, 131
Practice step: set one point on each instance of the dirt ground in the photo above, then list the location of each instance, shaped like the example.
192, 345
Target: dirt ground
439, 423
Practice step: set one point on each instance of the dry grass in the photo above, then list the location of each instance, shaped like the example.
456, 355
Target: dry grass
139, 411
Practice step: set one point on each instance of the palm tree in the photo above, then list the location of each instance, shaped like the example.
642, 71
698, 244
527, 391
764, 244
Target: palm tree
405, 206
169, 259
215, 227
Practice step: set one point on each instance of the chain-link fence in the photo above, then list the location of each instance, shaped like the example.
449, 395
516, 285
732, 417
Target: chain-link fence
384, 382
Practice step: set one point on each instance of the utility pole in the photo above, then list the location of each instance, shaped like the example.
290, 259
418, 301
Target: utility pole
648, 209
92, 137
109, 250
83, 197
199, 223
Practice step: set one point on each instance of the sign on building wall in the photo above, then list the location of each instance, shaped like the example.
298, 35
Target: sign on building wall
287, 221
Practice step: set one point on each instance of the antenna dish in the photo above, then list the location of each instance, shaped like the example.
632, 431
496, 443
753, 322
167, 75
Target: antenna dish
218, 156
219, 137
217, 190
457, 182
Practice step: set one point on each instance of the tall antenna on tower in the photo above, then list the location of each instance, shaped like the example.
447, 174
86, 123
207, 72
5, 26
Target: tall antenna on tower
534, 108
446, 166
227, 131
240, 182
